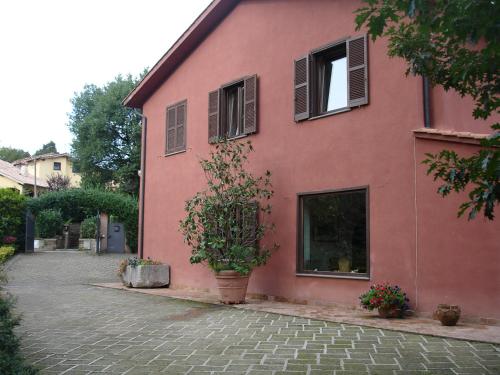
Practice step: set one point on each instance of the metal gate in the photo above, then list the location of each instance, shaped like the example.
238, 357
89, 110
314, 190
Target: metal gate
29, 245
116, 238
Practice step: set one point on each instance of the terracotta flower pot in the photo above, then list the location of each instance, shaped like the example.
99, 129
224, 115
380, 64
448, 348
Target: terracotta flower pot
390, 312
232, 286
448, 315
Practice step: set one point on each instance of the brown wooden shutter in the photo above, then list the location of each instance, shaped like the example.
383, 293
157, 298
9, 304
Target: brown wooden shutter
250, 105
180, 131
301, 88
171, 124
213, 116
357, 57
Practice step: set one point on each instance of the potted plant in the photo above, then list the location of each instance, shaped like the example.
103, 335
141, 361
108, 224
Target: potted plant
88, 234
225, 222
49, 225
390, 300
144, 273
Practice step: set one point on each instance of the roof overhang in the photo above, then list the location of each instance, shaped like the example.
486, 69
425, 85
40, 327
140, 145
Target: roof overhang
180, 50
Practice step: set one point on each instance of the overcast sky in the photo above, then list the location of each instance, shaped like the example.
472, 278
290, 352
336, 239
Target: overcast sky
49, 49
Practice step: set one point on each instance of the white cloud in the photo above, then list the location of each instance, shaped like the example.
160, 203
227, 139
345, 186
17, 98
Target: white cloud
50, 49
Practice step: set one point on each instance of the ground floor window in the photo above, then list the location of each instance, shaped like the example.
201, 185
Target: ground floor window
333, 233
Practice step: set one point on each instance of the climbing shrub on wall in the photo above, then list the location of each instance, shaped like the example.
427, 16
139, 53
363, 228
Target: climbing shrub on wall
78, 204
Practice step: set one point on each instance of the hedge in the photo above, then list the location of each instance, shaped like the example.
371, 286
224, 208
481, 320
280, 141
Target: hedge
79, 204
49, 223
12, 215
6, 252
88, 228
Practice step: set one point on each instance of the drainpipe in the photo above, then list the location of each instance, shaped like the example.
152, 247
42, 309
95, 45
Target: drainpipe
142, 186
427, 102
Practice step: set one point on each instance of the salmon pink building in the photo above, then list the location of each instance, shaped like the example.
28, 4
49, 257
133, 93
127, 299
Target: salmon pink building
342, 130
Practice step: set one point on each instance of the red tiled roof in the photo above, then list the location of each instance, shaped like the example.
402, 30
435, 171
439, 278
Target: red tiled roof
11, 172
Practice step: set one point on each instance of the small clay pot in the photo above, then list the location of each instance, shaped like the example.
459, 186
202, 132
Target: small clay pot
390, 312
448, 315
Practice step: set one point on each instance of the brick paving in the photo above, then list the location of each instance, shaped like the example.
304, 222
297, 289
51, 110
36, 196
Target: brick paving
72, 327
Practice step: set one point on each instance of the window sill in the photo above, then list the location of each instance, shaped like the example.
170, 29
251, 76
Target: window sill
331, 113
174, 153
355, 276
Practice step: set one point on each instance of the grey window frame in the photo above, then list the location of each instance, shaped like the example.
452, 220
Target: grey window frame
57, 163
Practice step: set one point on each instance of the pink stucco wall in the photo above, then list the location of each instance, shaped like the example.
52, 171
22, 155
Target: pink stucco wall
415, 239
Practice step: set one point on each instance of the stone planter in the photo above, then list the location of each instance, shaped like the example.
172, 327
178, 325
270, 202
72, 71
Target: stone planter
87, 244
148, 276
390, 312
47, 243
448, 315
232, 287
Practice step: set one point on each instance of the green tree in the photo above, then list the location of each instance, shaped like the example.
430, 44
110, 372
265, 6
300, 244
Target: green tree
107, 135
456, 45
11, 154
47, 149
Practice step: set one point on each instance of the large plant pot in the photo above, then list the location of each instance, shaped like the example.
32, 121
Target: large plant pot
390, 312
147, 276
48, 243
87, 244
232, 287
448, 315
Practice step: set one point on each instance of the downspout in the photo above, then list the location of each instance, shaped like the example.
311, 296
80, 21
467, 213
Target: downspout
142, 186
427, 102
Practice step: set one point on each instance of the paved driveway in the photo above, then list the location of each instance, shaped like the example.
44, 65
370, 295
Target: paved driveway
72, 327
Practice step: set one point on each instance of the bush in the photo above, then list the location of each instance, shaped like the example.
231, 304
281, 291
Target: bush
6, 252
88, 228
49, 223
78, 204
384, 296
11, 360
12, 212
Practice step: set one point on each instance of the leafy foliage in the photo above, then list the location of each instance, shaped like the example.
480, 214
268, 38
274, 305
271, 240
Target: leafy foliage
49, 223
6, 252
134, 262
58, 182
12, 154
455, 44
384, 296
78, 204
47, 149
12, 209
221, 225
88, 227
107, 135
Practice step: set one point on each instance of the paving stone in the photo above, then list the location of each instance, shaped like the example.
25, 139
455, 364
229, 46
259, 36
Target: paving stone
71, 327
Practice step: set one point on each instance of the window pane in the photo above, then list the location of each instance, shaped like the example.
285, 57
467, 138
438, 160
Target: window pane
232, 112
337, 86
334, 232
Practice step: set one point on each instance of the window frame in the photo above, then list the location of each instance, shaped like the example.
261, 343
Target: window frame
54, 166
223, 127
170, 106
300, 236
316, 55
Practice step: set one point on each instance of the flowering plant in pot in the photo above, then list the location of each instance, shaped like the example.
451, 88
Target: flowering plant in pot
390, 300
225, 222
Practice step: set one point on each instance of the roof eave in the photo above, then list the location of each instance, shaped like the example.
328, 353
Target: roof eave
180, 50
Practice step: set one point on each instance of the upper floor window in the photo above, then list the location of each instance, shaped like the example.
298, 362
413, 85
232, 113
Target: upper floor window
57, 166
331, 79
176, 128
232, 109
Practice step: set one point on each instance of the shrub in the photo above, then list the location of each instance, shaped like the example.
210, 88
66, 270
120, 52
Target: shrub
11, 360
78, 204
9, 240
88, 228
49, 223
12, 212
385, 296
6, 252
222, 225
